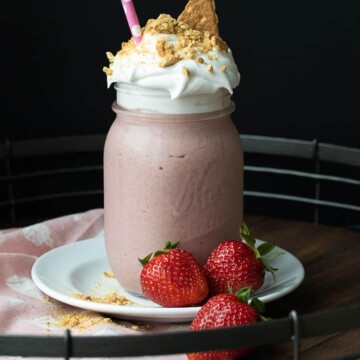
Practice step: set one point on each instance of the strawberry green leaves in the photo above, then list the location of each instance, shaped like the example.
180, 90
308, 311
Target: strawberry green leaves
263, 249
145, 260
244, 294
168, 246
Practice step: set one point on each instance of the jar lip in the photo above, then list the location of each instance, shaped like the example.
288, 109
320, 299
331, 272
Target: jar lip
152, 116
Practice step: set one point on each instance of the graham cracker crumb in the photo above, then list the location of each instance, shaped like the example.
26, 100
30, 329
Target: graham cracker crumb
190, 53
185, 71
127, 48
141, 327
207, 45
160, 47
164, 48
109, 275
218, 43
210, 68
110, 56
164, 24
223, 68
107, 71
193, 38
111, 298
81, 320
200, 60
169, 60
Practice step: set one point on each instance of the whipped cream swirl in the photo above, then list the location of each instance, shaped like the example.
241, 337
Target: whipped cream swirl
189, 70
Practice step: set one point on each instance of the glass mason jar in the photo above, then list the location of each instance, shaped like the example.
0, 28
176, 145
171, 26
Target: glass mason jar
170, 177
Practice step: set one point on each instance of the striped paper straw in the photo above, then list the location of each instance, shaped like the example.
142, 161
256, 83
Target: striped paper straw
132, 20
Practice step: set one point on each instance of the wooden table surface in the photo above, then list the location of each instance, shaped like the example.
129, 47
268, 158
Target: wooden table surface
330, 257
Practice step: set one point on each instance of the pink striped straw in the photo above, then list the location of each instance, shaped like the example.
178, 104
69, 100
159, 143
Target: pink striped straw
132, 20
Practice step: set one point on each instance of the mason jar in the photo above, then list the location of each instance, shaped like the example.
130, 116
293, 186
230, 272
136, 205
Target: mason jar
173, 171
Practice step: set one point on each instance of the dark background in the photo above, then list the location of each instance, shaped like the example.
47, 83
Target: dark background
299, 62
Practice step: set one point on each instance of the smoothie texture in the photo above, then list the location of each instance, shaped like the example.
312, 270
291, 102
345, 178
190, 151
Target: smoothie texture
173, 160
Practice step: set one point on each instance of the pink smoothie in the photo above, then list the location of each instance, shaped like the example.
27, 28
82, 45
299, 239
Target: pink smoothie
170, 178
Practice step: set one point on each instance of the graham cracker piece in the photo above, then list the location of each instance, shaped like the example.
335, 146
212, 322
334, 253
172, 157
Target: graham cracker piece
200, 15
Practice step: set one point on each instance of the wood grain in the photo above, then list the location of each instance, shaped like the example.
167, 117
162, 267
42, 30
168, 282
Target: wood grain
330, 257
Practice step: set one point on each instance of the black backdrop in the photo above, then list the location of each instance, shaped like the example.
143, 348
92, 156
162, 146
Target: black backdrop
299, 62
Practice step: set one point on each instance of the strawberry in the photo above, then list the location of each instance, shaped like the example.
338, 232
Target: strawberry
173, 278
236, 264
225, 310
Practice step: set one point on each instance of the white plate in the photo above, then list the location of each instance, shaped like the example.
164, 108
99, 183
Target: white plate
79, 268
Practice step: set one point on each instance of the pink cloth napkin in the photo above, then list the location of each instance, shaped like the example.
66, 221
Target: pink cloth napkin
24, 309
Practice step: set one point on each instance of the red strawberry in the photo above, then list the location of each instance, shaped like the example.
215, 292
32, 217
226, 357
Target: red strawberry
226, 310
173, 278
235, 264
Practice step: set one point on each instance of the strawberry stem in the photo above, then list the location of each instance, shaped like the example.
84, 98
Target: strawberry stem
263, 249
243, 295
168, 246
